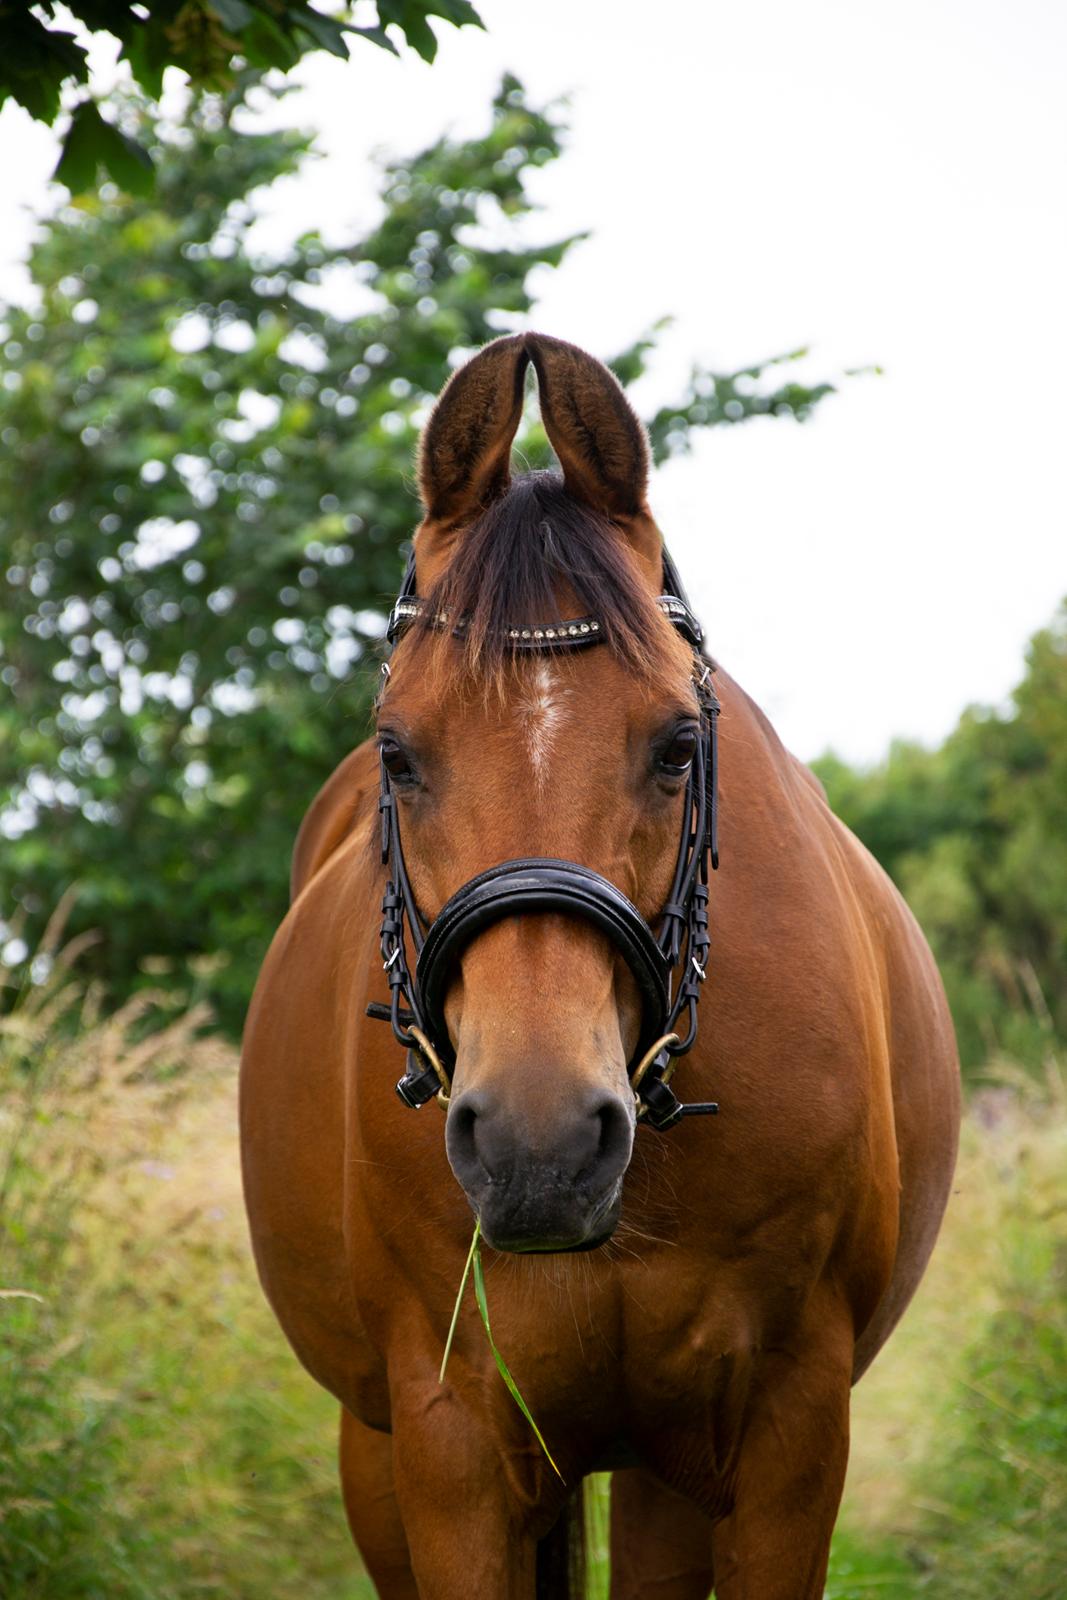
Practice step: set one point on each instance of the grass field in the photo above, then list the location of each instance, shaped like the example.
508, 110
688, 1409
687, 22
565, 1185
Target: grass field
159, 1442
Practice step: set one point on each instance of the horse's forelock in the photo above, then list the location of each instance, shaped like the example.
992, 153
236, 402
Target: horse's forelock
536, 556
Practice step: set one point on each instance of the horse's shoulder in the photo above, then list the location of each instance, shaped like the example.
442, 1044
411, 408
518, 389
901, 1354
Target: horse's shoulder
337, 808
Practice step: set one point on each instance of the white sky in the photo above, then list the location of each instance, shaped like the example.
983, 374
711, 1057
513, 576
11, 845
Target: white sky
883, 182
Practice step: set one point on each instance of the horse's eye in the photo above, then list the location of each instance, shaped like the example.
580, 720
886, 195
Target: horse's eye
677, 758
395, 760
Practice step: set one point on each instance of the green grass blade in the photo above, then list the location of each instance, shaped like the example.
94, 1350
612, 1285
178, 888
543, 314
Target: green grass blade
459, 1298
502, 1367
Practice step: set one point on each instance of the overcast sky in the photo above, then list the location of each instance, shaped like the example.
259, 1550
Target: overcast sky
882, 182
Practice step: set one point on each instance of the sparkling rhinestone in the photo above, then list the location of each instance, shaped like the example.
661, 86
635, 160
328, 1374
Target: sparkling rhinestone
573, 631
514, 634
550, 633
595, 627
584, 627
539, 633
526, 633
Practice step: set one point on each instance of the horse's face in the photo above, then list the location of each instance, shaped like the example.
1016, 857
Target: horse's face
583, 757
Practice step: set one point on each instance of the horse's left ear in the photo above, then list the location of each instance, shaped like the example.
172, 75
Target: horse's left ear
592, 427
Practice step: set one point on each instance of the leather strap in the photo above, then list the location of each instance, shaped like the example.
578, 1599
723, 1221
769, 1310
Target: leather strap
540, 884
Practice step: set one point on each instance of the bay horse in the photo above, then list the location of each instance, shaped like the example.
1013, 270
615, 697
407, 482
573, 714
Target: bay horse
685, 1300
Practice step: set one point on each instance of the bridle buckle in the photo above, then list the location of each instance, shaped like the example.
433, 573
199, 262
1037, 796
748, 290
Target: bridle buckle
428, 1082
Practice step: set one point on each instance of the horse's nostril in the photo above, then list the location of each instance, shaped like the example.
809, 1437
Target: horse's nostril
587, 1144
616, 1134
461, 1140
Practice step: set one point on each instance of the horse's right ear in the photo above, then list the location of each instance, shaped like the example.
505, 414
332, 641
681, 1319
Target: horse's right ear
465, 451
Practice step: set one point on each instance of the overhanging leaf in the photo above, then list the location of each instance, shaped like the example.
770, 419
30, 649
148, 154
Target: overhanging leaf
377, 36
148, 51
35, 62
459, 12
233, 14
127, 161
327, 33
91, 143
79, 155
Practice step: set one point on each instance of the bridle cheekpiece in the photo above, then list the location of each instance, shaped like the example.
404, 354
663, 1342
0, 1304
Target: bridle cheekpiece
669, 966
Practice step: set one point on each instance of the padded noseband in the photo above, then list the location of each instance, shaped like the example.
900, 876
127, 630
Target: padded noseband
540, 883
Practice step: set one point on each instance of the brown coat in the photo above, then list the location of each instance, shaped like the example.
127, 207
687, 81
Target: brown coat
763, 1256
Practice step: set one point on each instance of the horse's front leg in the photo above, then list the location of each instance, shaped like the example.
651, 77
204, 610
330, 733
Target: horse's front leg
660, 1543
774, 1544
372, 1510
473, 1509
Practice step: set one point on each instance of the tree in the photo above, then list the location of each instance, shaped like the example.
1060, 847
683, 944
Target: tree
973, 833
205, 486
208, 40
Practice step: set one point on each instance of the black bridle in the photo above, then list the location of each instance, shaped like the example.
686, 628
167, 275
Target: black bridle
669, 991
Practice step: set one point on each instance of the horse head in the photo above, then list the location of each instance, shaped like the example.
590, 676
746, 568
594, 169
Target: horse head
494, 753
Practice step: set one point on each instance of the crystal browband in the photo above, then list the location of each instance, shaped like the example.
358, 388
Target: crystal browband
576, 631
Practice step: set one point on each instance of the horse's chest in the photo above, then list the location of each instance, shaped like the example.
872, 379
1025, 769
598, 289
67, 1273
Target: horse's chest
654, 1351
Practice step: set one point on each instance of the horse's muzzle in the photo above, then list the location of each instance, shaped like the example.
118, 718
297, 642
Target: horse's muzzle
542, 1189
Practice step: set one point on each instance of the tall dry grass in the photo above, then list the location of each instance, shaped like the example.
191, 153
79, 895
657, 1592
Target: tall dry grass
958, 1480
157, 1439
159, 1442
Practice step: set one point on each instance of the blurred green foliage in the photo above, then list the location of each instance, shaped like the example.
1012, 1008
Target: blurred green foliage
205, 485
974, 834
208, 40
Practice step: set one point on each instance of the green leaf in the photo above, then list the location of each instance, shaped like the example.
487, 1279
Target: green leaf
233, 14
459, 1301
80, 154
377, 36
148, 52
411, 17
420, 36
325, 31
502, 1368
35, 62
128, 162
267, 45
91, 143
459, 12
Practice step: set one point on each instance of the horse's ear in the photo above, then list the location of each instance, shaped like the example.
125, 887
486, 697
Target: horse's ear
592, 428
465, 451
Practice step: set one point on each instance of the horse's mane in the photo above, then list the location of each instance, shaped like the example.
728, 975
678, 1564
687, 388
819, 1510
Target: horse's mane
533, 552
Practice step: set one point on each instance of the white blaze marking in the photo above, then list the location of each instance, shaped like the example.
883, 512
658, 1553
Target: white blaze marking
542, 713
